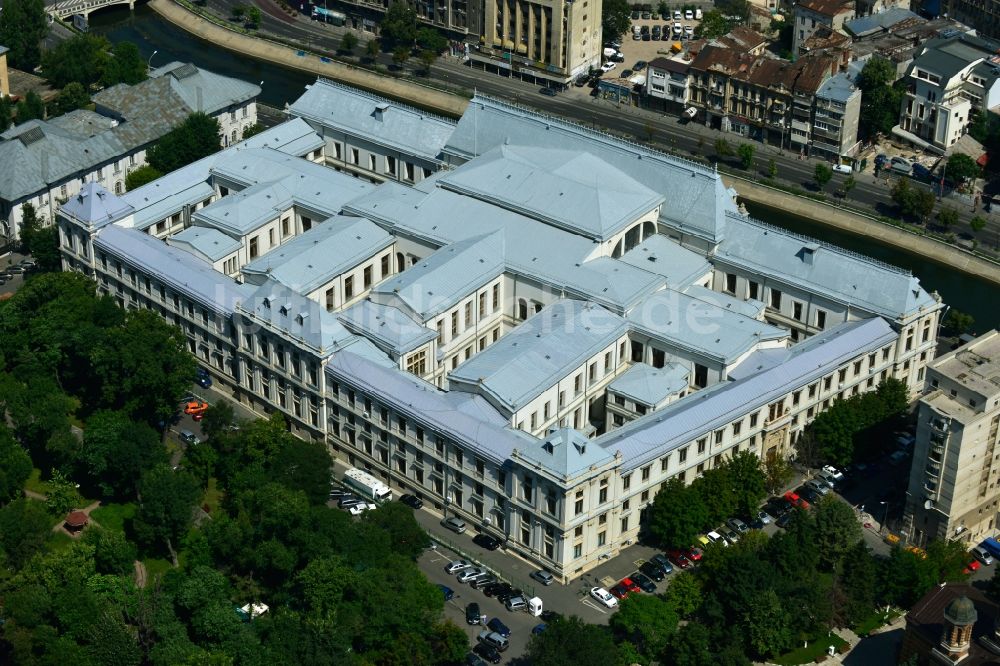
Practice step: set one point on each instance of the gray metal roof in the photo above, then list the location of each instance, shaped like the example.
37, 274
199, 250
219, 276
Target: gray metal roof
548, 254
542, 350
315, 257
701, 325
696, 200
445, 277
300, 318
699, 413
569, 189
650, 386
842, 276
200, 89
379, 120
677, 265
749, 308
564, 453
390, 328
948, 56
875, 23
179, 270
838, 88
448, 413
211, 244
95, 206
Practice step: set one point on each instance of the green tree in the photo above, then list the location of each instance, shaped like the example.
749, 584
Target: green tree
15, 467
239, 11
23, 26
992, 588
82, 59
397, 520
772, 168
880, 99
372, 49
690, 647
6, 113
61, 496
113, 553
427, 59
569, 641
253, 17
253, 130
45, 249
304, 465
117, 450
748, 481
947, 559
713, 24
647, 622
431, 40
30, 108
195, 138
923, 203
822, 175
30, 226
957, 322
348, 42
777, 474
676, 515
616, 17
166, 501
768, 624
977, 223
125, 66
24, 527
722, 148
73, 96
948, 217
745, 152
400, 55
859, 583
837, 530
141, 176
398, 27
960, 167
684, 593
849, 184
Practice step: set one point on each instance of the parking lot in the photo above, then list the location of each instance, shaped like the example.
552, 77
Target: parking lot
648, 50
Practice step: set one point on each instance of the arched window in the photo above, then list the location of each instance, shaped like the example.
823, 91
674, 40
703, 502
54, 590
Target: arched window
118, 187
618, 250
522, 309
234, 137
648, 229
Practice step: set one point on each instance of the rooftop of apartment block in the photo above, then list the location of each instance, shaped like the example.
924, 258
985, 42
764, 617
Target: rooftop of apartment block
975, 365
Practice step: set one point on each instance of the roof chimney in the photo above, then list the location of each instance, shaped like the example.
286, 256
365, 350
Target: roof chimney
380, 110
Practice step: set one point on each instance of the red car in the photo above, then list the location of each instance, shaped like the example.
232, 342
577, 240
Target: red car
694, 554
620, 591
795, 500
679, 558
971, 568
630, 585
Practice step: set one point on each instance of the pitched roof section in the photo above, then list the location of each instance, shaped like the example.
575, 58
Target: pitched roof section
534, 356
390, 328
679, 266
656, 434
202, 90
379, 120
95, 206
568, 189
445, 277
827, 7
564, 453
842, 276
211, 244
650, 386
315, 257
696, 199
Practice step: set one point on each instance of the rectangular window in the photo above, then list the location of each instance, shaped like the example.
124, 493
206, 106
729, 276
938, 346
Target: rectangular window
329, 299
664, 463
482, 305
349, 286
468, 315
682, 455
496, 297
702, 444
730, 283
820, 319
645, 473
367, 274
775, 299
797, 311
754, 290
454, 324
385, 266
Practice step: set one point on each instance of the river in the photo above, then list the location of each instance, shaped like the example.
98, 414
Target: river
280, 85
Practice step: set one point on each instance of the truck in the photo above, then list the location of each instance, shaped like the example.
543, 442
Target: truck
991, 545
367, 485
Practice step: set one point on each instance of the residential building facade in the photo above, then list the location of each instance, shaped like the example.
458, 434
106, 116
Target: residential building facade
557, 239
667, 80
953, 491
811, 15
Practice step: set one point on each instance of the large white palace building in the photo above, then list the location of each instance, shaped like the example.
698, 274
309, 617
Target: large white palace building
527, 323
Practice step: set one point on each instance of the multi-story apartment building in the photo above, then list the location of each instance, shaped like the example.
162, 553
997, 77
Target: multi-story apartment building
809, 16
587, 256
835, 116
667, 80
953, 491
948, 80
44, 163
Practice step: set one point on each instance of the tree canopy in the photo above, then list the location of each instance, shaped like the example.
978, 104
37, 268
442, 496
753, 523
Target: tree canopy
23, 26
193, 139
616, 17
880, 98
398, 27
961, 167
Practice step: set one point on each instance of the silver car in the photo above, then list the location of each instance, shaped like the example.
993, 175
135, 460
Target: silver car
456, 525
469, 575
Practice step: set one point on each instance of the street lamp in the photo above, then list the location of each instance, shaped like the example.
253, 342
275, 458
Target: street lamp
885, 516
149, 63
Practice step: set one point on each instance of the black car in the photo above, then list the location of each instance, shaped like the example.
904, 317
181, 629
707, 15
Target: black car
338, 493
582, 80
496, 625
778, 507
497, 589
412, 501
550, 616
784, 519
486, 541
348, 501
652, 571
549, 92
643, 582
640, 65
487, 652
472, 614
509, 594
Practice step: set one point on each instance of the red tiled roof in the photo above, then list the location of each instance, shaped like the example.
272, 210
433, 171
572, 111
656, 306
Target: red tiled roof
827, 7
77, 519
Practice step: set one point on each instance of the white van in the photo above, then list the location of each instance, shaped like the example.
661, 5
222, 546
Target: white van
697, 14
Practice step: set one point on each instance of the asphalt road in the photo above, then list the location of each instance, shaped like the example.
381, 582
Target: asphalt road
649, 126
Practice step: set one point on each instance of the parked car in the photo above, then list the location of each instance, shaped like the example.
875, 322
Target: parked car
472, 614
603, 597
481, 583
496, 625
487, 652
843, 168
653, 570
832, 471
715, 537
737, 525
982, 555
630, 584
360, 508
539, 628
189, 438
662, 562
608, 66
640, 65
697, 14
549, 92
731, 536
688, 15
494, 639
819, 485
496, 589
783, 520
411, 501
921, 172
779, 506
643, 582
454, 524
688, 31
543, 577
486, 541
517, 603
809, 494
457, 565
795, 500
971, 568
470, 574
694, 554
338, 493
881, 160
619, 591
764, 517
448, 593
677, 15
509, 594
347, 501
679, 559
195, 407
646, 16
